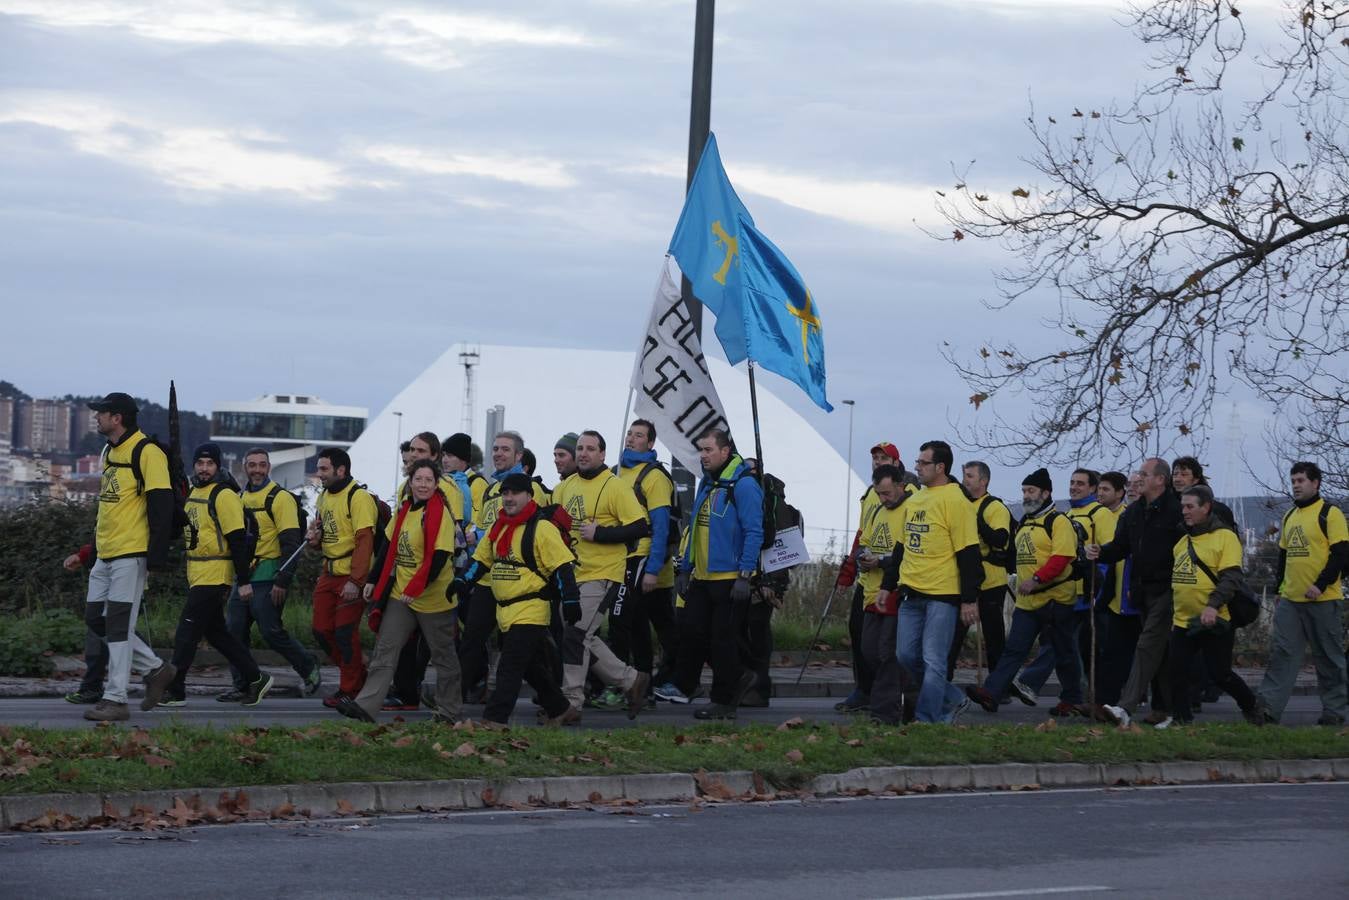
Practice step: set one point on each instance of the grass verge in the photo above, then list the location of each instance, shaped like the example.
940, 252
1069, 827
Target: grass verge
180, 756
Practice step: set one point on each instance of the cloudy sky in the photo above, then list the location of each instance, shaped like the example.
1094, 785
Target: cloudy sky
323, 196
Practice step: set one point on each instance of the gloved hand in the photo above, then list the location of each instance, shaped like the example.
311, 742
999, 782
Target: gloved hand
682, 581
740, 590
847, 572
571, 611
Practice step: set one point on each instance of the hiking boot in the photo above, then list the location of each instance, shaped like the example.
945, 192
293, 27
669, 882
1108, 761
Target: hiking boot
1156, 717
753, 698
171, 701
1212, 694
1063, 710
854, 702
1116, 714
353, 710
572, 716
85, 695
312, 682
636, 694
258, 689
234, 695
439, 718
1024, 693
428, 696
489, 725
108, 711
715, 711
1167, 723
1331, 719
668, 693
156, 683
986, 701
395, 703
956, 713
1254, 716
336, 697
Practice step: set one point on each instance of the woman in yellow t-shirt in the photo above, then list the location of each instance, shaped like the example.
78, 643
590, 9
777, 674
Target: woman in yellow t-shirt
1205, 574
414, 571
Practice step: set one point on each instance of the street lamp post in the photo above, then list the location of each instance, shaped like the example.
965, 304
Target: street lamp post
847, 478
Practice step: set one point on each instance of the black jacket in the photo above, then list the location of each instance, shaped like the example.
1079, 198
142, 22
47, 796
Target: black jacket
1147, 535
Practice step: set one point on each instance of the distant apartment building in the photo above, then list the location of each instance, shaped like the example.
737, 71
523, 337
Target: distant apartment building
7, 419
43, 426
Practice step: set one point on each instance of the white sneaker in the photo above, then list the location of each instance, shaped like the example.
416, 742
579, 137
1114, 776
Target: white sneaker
1165, 724
963, 705
1119, 714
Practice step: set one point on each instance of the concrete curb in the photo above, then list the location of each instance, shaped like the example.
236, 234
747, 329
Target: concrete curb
510, 793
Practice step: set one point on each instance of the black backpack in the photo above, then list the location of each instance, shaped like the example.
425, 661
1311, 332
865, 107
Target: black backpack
178, 480
251, 526
227, 483
382, 516
550, 512
778, 514
1006, 557
676, 510
1078, 532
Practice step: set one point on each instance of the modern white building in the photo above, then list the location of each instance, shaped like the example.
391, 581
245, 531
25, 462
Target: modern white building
292, 427
547, 392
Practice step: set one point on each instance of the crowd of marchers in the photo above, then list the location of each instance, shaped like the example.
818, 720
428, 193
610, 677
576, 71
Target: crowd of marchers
1133, 595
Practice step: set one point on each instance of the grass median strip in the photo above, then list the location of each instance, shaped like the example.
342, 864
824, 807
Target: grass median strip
35, 760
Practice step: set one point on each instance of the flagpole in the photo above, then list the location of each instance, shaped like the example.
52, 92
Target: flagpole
754, 413
623, 430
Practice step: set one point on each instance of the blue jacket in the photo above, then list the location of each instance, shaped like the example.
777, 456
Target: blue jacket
735, 527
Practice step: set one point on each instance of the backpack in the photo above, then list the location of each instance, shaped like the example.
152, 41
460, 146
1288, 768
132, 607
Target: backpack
251, 527
178, 480
1322, 519
561, 519
1081, 566
1006, 557
1243, 608
383, 514
778, 514
676, 511
1079, 533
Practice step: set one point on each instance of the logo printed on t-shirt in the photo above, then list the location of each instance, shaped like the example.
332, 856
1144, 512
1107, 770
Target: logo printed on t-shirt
1183, 571
1297, 542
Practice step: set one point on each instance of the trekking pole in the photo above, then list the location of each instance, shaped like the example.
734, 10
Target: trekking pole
979, 645
828, 604
294, 556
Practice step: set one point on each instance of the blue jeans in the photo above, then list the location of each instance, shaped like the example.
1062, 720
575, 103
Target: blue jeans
1060, 624
926, 628
239, 618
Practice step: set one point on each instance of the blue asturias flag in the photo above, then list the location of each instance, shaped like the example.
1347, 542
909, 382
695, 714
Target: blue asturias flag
780, 317
706, 245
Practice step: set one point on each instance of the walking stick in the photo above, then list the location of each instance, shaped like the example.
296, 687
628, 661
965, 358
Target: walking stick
979, 645
1091, 613
828, 604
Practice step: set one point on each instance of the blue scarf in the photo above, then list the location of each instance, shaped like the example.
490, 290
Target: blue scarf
518, 467
632, 458
1078, 504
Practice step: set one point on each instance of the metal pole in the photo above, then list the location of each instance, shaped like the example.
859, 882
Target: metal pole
810, 648
398, 466
754, 413
847, 479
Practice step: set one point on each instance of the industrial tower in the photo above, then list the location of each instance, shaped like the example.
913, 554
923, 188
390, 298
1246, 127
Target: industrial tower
468, 358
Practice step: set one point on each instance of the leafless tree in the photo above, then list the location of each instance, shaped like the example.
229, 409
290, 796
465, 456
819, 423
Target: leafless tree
1193, 236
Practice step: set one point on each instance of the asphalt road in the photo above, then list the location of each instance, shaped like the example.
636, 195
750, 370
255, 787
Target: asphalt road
54, 713
1229, 841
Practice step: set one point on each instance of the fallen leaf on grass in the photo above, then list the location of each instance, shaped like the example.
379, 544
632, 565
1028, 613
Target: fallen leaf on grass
793, 722
406, 740
157, 762
794, 756
812, 739
711, 787
855, 742
465, 749
1047, 725
344, 808
353, 739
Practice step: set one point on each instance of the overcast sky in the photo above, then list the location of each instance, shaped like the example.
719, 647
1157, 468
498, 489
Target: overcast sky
322, 196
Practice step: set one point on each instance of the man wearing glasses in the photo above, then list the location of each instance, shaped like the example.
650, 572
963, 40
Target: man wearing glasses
937, 570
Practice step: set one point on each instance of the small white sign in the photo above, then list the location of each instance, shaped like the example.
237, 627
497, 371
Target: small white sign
789, 549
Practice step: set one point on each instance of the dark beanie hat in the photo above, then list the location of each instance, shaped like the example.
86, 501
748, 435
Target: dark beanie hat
568, 442
460, 446
209, 450
517, 482
1038, 479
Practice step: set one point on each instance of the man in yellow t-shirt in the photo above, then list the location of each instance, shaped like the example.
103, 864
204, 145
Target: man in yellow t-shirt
1205, 575
607, 523
1046, 546
994, 521
859, 700
524, 561
938, 571
882, 527
218, 554
651, 603
344, 529
1313, 560
1122, 623
131, 535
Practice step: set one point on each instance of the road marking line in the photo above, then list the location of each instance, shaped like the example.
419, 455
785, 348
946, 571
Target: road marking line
1024, 892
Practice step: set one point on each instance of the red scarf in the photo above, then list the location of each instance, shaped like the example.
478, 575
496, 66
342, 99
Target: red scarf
503, 529
431, 518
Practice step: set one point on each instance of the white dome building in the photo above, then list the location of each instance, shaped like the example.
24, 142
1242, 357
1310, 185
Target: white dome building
586, 389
